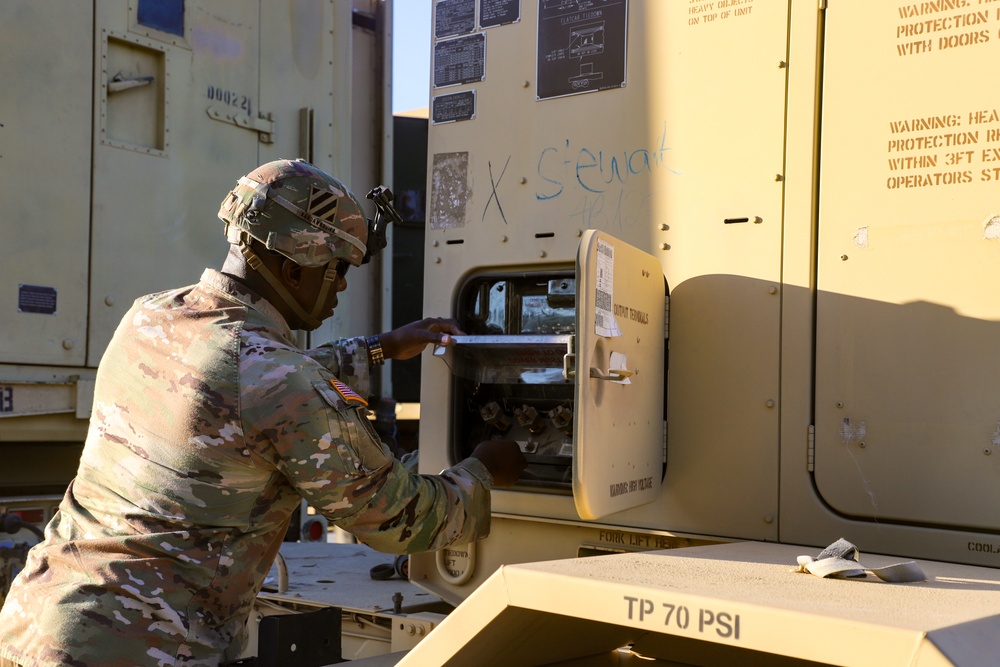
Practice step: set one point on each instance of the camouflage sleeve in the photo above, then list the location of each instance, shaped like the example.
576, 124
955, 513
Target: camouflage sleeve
411, 461
321, 440
347, 359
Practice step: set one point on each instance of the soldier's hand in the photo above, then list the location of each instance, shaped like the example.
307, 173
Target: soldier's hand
410, 339
504, 460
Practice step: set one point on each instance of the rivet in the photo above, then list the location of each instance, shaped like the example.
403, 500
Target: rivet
523, 180
525, 83
843, 258
109, 301
772, 290
840, 404
862, 444
664, 227
987, 451
664, 246
67, 344
779, 178
543, 254
436, 244
757, 220
782, 64
437, 260
770, 403
769, 518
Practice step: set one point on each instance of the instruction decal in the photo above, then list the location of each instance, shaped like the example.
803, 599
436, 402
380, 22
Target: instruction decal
498, 12
580, 50
453, 107
460, 60
604, 319
36, 299
454, 17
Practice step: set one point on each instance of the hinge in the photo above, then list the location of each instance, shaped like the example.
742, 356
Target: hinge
665, 426
666, 317
811, 450
262, 124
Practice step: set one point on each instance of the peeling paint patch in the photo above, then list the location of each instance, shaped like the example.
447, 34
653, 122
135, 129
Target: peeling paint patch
861, 237
996, 435
450, 189
852, 432
991, 228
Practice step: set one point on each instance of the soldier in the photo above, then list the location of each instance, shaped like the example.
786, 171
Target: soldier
209, 426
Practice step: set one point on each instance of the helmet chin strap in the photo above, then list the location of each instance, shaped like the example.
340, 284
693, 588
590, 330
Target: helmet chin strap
330, 276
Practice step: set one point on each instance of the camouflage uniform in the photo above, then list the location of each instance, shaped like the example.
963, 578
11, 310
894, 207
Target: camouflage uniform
208, 425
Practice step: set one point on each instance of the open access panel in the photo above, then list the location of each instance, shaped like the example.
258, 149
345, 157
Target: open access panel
572, 366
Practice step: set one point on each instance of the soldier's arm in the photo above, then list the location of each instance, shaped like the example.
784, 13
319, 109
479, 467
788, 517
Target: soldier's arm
347, 359
326, 448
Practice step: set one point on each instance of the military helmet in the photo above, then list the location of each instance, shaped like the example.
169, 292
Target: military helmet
298, 210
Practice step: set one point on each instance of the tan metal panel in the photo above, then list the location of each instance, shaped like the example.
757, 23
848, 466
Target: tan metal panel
45, 119
155, 201
731, 604
694, 138
907, 375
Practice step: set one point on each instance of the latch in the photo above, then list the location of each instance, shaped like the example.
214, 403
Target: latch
262, 124
120, 82
617, 371
569, 360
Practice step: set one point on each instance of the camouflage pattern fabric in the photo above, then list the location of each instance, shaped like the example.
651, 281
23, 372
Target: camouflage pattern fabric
208, 424
300, 211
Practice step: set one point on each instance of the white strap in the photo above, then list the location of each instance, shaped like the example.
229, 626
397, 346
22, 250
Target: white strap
840, 560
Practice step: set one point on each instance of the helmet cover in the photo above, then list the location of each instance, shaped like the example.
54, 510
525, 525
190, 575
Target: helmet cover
298, 210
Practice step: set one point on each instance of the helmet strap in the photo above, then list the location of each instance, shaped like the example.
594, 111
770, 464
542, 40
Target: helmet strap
255, 263
330, 276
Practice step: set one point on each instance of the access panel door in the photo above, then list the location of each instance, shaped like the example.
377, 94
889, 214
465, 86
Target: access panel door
177, 122
619, 422
45, 120
907, 375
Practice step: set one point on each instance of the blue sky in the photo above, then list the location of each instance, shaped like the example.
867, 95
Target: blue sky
411, 54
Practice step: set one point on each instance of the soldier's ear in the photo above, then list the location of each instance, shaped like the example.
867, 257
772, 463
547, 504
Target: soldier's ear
291, 274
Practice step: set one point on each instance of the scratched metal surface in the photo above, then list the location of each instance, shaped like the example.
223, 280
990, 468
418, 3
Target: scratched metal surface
338, 574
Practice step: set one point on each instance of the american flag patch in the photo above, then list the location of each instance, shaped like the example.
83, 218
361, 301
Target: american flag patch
322, 204
348, 394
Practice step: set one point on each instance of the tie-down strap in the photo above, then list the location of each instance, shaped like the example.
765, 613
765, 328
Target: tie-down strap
840, 559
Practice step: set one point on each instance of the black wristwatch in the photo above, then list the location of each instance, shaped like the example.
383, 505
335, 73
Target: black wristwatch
375, 356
